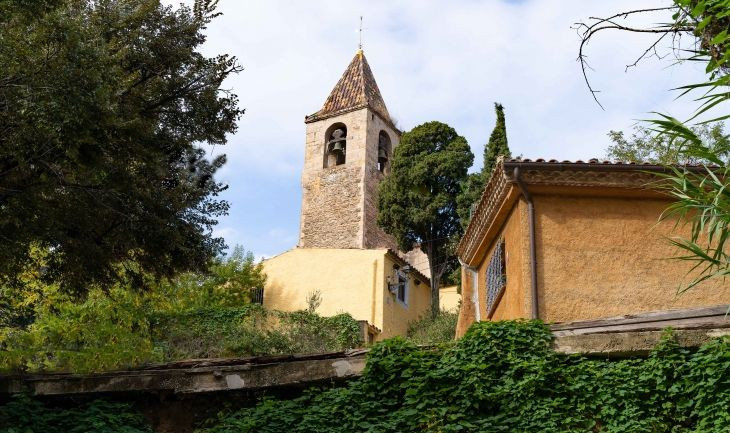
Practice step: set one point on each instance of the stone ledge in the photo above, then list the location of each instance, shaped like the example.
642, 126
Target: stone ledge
218, 375
631, 335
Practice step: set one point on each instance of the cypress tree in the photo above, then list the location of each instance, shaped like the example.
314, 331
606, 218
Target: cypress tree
471, 189
497, 145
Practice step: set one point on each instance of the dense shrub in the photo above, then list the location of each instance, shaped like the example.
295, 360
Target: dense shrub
107, 333
251, 330
433, 330
194, 315
504, 377
24, 415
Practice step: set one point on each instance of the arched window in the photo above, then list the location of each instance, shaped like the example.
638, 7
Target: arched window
335, 146
383, 151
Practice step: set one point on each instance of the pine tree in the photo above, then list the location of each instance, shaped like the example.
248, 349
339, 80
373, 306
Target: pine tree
417, 200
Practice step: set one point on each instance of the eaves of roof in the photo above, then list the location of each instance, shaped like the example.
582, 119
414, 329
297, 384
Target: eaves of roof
541, 172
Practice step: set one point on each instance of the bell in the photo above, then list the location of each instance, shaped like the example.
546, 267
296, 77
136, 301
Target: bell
382, 155
337, 147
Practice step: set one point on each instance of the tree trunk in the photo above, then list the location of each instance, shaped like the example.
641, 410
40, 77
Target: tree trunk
434, 282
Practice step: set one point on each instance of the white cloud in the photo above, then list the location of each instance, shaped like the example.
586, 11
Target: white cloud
433, 60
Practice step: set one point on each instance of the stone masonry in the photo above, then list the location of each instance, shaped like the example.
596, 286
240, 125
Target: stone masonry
339, 204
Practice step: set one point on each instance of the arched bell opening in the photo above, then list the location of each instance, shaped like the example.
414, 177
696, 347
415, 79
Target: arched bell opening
384, 152
335, 145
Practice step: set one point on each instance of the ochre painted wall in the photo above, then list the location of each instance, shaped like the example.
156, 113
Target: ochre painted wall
515, 301
348, 280
603, 256
449, 298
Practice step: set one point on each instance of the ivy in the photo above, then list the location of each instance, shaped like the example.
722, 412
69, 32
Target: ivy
500, 377
505, 377
23, 415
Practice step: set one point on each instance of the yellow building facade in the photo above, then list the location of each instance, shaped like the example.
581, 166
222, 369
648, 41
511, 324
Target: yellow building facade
342, 254
355, 281
449, 298
573, 241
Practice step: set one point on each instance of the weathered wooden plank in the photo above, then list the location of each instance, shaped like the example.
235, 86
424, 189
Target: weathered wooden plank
698, 322
631, 335
719, 311
632, 343
190, 380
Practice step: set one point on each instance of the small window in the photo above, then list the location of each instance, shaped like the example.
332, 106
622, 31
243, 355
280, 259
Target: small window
398, 284
257, 295
496, 277
335, 146
402, 283
384, 150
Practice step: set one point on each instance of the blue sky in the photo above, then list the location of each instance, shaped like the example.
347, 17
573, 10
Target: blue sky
433, 60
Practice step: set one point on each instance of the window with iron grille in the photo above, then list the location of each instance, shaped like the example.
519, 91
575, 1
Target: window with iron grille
496, 277
257, 295
402, 285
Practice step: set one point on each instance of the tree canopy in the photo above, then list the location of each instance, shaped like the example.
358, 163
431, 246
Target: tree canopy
103, 108
644, 145
417, 201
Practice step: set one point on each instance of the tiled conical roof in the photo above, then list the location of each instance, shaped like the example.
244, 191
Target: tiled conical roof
356, 89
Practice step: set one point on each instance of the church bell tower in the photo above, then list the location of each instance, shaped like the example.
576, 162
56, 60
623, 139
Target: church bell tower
349, 146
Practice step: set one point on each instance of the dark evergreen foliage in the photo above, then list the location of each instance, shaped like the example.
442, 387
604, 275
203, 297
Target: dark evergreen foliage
102, 106
497, 145
31, 416
417, 201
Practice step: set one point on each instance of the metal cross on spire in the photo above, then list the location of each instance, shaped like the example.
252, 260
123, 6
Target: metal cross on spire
360, 44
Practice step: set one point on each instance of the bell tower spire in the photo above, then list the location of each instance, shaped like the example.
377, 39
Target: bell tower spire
349, 143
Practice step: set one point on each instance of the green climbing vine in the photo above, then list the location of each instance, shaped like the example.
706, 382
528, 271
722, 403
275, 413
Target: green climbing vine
504, 377
23, 415
500, 377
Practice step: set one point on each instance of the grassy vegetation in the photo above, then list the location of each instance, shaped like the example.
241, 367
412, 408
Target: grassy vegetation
107, 335
251, 330
433, 330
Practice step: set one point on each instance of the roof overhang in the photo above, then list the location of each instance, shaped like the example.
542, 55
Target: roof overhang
403, 262
563, 177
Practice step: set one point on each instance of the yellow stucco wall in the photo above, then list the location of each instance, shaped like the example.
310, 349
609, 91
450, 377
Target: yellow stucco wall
395, 315
515, 301
604, 256
348, 280
449, 298
598, 255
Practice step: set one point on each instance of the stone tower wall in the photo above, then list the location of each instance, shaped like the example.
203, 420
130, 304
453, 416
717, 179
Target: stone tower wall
331, 214
339, 204
373, 235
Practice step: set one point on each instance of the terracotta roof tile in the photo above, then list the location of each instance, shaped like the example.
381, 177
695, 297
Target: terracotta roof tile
356, 89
